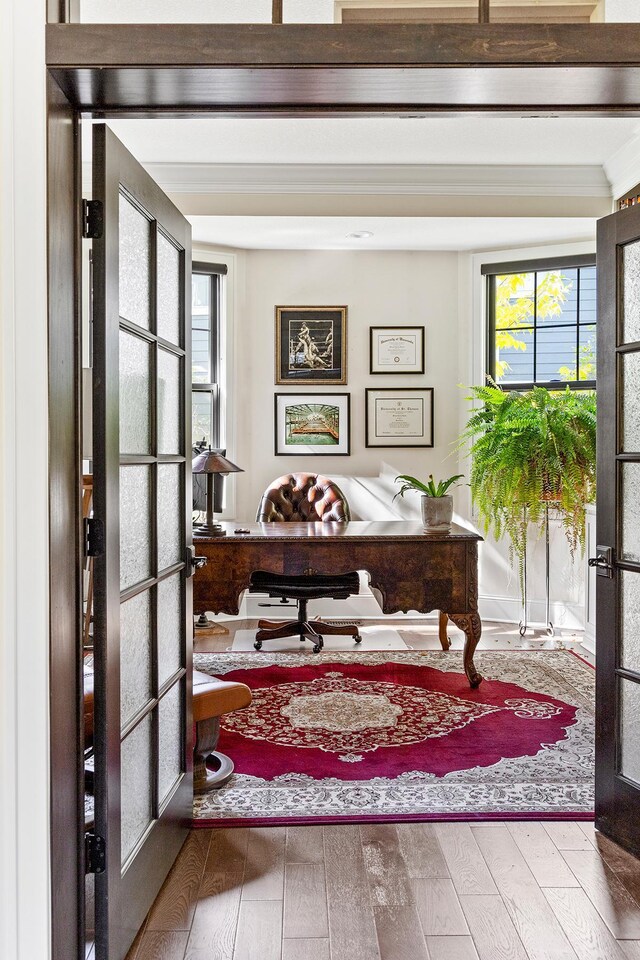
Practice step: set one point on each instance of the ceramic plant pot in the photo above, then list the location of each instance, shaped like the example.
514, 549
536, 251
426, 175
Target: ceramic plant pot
437, 513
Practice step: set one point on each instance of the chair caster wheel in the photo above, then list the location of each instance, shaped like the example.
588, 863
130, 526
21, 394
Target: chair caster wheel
258, 644
317, 647
357, 639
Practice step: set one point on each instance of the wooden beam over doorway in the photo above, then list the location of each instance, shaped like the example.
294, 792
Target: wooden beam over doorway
314, 69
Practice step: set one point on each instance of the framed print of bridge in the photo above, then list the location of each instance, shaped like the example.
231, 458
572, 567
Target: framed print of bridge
312, 423
311, 345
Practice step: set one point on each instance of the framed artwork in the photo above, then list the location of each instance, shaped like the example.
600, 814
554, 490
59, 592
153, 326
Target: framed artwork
399, 417
311, 345
396, 349
312, 423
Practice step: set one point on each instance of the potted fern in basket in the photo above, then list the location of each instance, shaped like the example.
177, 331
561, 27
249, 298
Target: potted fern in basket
529, 450
436, 503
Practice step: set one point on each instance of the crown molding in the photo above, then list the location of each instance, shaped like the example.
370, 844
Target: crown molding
623, 168
382, 179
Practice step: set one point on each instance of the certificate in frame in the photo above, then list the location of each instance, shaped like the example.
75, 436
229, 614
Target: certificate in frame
396, 350
399, 417
312, 423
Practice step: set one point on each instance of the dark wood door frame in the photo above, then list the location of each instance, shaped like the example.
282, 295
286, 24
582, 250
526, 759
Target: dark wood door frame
187, 70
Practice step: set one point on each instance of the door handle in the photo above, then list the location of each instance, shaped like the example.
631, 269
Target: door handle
194, 563
603, 562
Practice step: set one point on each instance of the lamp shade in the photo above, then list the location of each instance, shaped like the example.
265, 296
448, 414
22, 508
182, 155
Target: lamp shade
210, 461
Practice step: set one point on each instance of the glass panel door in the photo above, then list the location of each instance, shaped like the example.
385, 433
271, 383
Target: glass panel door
618, 521
142, 492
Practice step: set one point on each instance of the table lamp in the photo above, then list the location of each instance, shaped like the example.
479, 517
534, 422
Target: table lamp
212, 463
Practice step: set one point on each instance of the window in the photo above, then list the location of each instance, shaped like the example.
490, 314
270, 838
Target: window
542, 323
206, 281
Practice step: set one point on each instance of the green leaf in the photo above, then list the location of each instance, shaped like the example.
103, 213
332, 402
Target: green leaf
429, 489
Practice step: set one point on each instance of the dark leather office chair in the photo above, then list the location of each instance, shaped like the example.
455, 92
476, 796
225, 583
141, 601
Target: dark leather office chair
303, 498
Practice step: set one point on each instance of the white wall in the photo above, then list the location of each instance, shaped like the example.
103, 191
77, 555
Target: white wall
24, 638
203, 11
621, 11
378, 288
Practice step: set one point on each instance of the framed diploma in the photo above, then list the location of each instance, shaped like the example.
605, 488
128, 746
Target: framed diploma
399, 417
396, 350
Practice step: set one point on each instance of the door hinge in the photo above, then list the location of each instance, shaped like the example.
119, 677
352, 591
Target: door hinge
92, 219
95, 850
93, 537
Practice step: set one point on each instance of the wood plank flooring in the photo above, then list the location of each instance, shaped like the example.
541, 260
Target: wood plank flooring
432, 891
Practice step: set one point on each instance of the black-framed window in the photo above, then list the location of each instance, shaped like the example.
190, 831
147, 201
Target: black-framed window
206, 285
542, 323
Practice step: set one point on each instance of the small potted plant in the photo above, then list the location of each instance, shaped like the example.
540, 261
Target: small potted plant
436, 503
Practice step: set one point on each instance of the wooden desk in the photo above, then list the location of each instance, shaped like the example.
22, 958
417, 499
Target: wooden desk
409, 569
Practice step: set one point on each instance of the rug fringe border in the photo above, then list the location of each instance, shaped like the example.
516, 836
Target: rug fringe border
220, 822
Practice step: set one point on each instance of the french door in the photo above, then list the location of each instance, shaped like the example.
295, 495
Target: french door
142, 505
618, 530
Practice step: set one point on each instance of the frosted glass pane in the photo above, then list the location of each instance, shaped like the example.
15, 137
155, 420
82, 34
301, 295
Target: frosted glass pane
630, 519
629, 726
170, 515
631, 403
135, 525
631, 292
170, 627
135, 367
135, 786
169, 406
135, 655
170, 740
168, 267
629, 620
135, 246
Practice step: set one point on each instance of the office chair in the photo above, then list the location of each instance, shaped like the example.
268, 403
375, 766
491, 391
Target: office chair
303, 498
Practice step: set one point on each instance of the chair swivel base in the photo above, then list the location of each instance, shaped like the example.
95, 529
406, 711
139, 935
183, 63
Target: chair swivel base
305, 629
205, 779
268, 630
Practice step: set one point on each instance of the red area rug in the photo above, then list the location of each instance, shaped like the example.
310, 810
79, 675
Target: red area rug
398, 736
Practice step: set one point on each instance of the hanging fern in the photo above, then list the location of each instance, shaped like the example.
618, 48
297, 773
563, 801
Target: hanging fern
529, 449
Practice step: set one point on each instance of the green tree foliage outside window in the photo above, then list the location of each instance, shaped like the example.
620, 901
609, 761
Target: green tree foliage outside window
515, 309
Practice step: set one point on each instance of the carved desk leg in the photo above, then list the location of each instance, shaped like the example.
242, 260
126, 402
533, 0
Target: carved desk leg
445, 643
471, 625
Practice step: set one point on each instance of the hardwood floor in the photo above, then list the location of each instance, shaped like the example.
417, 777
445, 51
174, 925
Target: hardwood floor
431, 891
410, 891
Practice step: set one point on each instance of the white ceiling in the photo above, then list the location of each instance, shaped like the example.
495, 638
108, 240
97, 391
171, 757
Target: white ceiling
389, 233
609, 143
459, 140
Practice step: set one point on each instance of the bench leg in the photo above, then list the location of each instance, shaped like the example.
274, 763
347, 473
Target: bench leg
207, 734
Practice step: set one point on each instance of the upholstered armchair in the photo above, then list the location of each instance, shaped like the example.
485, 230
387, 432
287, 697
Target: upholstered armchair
304, 498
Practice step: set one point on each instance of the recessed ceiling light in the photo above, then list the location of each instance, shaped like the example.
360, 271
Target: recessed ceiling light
359, 235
